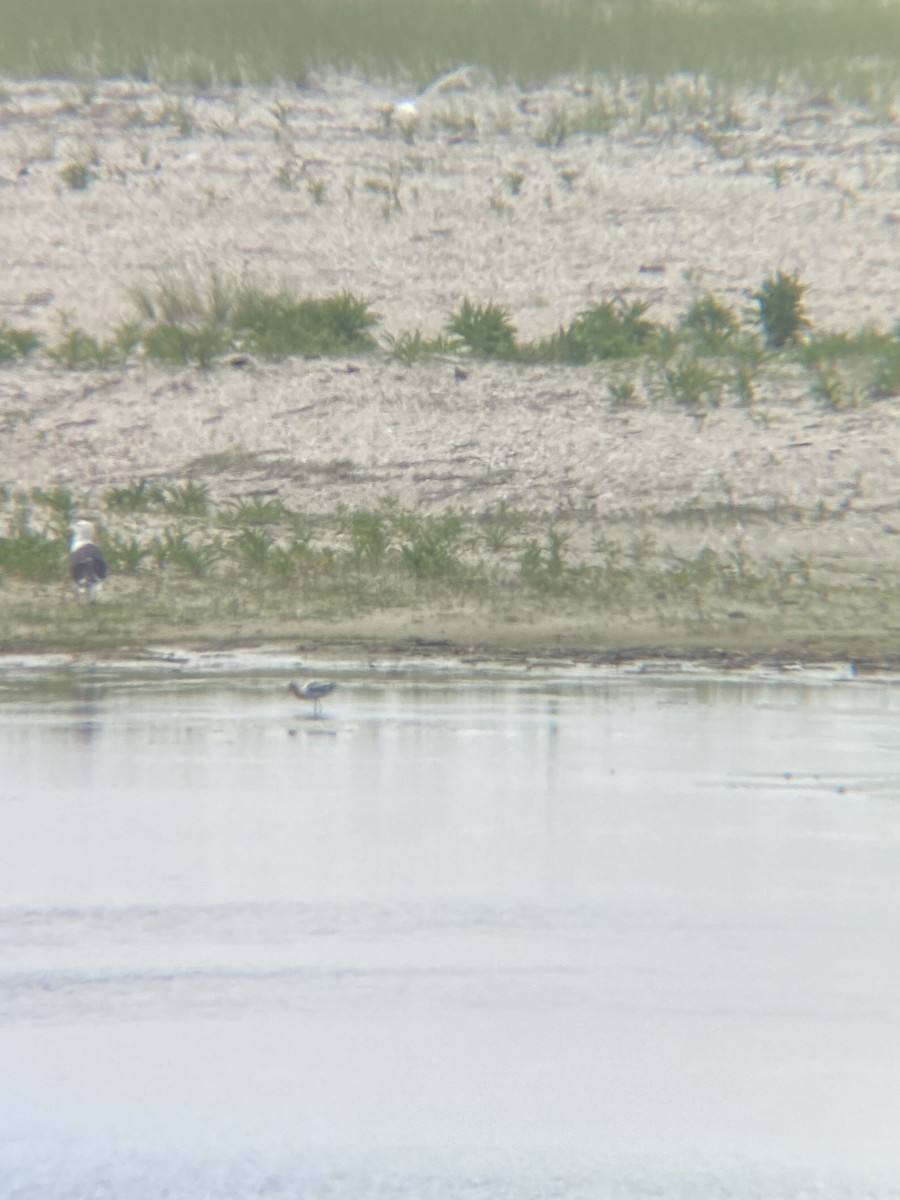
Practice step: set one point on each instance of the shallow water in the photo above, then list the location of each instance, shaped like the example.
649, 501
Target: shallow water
490, 934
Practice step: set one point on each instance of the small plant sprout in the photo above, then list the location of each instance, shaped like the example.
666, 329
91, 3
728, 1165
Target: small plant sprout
743, 384
281, 112
181, 117
78, 175
556, 129
514, 181
501, 207
315, 185
388, 187
623, 393
288, 176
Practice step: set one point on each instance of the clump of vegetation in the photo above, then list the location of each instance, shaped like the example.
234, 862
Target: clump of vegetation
61, 504
189, 499
831, 345
124, 555
369, 535
35, 554
608, 329
429, 546
184, 344
780, 304
17, 343
886, 378
251, 547
484, 330
182, 299
711, 325
256, 511
499, 525
280, 324
543, 568
78, 175
197, 322
410, 347
174, 548
692, 384
79, 350
184, 319
135, 497
31, 555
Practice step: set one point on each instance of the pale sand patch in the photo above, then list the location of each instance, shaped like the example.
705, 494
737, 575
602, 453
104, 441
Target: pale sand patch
656, 210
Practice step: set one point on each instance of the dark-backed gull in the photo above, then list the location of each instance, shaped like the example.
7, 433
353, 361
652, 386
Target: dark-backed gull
87, 565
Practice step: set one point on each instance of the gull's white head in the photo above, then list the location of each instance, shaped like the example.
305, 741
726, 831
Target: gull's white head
82, 534
405, 110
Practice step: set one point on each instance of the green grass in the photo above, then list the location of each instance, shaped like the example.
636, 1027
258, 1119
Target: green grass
281, 324
707, 357
17, 343
484, 330
78, 176
205, 41
79, 350
199, 320
503, 572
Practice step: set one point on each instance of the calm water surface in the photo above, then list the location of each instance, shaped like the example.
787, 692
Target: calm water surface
484, 935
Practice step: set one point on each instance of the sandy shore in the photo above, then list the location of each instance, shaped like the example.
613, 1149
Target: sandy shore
708, 192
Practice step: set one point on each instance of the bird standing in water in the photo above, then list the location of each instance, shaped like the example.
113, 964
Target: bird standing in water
312, 689
87, 566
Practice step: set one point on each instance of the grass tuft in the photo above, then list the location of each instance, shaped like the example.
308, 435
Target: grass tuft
485, 331
178, 344
78, 176
780, 304
608, 329
277, 325
17, 343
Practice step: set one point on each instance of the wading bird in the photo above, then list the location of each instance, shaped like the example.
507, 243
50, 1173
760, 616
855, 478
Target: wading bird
87, 566
312, 689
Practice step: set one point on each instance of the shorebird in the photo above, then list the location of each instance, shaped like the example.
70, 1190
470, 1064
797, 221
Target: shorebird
87, 566
312, 689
